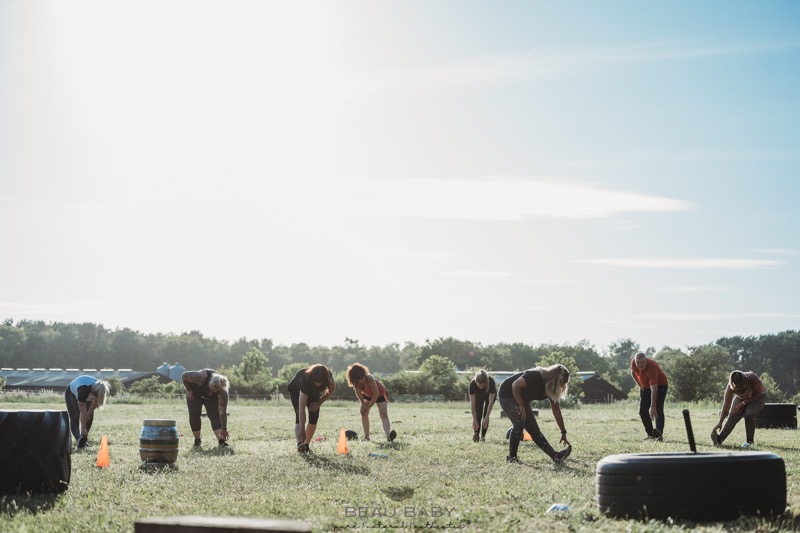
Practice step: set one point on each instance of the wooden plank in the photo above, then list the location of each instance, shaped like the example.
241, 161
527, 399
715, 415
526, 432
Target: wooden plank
217, 524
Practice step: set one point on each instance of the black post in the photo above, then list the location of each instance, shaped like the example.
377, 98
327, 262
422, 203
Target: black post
689, 431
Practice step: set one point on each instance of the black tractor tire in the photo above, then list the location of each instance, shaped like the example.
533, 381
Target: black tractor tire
692, 486
34, 451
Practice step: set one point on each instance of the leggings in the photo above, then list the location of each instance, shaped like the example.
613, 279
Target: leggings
748, 413
509, 406
481, 408
75, 414
196, 407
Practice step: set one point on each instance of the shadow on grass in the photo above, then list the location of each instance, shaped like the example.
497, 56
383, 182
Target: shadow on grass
158, 468
216, 451
341, 464
391, 445
11, 504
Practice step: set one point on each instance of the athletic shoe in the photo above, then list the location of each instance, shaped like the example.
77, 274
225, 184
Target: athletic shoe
747, 444
715, 437
197, 443
82, 442
563, 454
514, 460
302, 447
483, 439
222, 443
657, 435
476, 437
392, 435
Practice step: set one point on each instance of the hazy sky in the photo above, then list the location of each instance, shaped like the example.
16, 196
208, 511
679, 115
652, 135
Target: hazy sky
401, 171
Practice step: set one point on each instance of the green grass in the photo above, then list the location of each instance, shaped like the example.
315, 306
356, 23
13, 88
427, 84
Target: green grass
434, 471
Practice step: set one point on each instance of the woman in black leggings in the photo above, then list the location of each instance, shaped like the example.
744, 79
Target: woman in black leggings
482, 394
309, 389
516, 394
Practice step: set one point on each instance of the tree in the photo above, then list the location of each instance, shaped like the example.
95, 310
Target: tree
252, 376
115, 385
148, 387
774, 392
701, 375
440, 373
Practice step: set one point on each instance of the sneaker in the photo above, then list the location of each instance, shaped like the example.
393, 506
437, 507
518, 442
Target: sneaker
476, 437
366, 439
747, 444
715, 437
222, 443
563, 454
657, 435
392, 435
82, 442
483, 439
197, 443
302, 447
514, 460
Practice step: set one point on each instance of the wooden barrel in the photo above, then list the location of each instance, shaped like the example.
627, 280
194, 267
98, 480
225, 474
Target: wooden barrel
158, 441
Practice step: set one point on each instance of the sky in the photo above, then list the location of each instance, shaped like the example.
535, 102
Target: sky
392, 172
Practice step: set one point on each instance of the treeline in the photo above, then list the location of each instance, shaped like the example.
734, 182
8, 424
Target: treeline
258, 366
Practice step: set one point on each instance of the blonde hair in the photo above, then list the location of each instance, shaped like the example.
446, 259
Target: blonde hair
556, 381
481, 376
101, 389
218, 382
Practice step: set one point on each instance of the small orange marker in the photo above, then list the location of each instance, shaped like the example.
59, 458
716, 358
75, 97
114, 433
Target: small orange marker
526, 435
103, 459
342, 447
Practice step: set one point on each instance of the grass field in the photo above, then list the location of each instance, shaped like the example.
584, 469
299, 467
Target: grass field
434, 475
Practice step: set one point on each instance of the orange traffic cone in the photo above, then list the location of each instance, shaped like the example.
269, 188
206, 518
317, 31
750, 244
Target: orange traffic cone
342, 447
103, 459
526, 435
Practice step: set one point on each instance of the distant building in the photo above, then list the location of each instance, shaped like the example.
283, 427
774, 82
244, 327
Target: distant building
598, 390
58, 379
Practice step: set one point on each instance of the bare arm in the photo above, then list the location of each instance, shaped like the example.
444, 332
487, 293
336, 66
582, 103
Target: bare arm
726, 405
492, 398
653, 400
556, 408
516, 390
84, 417
197, 377
222, 395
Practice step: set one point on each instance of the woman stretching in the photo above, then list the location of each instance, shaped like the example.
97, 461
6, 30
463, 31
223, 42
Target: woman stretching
482, 394
370, 391
309, 389
516, 394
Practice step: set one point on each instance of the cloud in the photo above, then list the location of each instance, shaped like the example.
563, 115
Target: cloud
480, 274
503, 199
691, 289
542, 63
674, 263
683, 317
780, 251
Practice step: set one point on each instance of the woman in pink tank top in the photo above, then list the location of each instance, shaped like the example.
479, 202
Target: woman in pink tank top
370, 391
